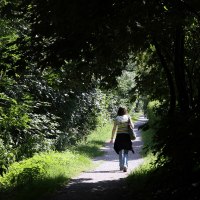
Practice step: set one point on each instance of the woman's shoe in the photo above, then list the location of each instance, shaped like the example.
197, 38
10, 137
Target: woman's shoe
121, 168
125, 169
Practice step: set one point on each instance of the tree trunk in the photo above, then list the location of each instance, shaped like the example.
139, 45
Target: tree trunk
179, 70
169, 78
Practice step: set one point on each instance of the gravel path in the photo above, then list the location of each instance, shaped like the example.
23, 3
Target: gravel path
105, 181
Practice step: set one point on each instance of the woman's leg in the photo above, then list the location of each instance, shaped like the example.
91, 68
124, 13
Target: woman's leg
121, 160
125, 160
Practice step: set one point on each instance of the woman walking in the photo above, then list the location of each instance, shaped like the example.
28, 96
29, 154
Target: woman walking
122, 142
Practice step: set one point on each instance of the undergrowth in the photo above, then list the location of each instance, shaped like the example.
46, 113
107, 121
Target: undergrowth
42, 174
138, 180
171, 175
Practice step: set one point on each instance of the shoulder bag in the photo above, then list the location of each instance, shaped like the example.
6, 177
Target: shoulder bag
130, 130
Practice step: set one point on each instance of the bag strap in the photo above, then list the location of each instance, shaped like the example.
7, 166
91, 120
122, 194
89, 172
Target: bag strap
129, 120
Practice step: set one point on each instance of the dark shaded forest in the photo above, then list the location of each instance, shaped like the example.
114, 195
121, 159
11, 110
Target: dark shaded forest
65, 66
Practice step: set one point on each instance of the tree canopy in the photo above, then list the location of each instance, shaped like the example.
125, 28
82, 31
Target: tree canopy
98, 38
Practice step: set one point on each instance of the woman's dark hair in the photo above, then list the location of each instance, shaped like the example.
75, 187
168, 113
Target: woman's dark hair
122, 111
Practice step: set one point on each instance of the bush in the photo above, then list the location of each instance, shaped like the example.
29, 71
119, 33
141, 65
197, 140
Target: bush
38, 116
41, 167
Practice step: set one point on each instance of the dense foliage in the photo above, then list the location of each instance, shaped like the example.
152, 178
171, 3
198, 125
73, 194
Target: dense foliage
37, 117
57, 56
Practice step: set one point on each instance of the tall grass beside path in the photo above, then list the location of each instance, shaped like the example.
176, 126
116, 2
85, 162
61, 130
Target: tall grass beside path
39, 176
138, 180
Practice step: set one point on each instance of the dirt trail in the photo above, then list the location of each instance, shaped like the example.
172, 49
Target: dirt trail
105, 181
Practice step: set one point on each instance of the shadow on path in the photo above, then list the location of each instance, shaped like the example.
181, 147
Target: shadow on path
92, 191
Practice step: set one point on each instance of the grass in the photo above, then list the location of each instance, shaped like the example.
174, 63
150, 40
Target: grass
91, 147
158, 181
147, 138
139, 177
42, 174
135, 116
138, 180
